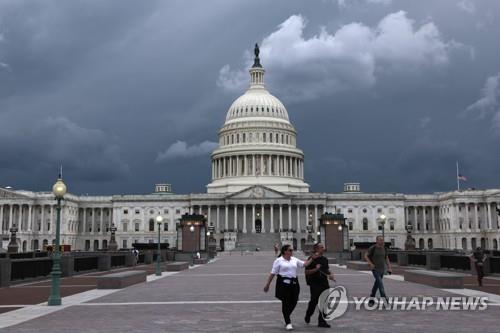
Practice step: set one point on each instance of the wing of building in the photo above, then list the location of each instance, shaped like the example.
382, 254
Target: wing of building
257, 197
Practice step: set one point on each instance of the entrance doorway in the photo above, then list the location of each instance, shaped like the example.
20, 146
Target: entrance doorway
258, 226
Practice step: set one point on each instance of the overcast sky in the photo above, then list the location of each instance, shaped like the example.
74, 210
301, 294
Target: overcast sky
126, 94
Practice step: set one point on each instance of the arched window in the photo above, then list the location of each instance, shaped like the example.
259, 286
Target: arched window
429, 243
365, 223
244, 137
421, 243
277, 138
264, 137
151, 225
495, 244
464, 243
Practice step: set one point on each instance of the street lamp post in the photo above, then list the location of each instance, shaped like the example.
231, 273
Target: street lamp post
191, 229
59, 190
159, 221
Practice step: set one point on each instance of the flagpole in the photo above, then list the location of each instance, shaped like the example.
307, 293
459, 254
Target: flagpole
458, 179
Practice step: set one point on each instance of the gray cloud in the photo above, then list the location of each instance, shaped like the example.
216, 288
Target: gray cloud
182, 150
350, 58
488, 104
106, 87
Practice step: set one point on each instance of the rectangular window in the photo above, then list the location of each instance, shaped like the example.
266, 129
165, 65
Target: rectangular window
137, 227
391, 210
350, 226
124, 244
349, 210
125, 211
177, 211
391, 226
165, 226
125, 226
137, 212
379, 210
165, 211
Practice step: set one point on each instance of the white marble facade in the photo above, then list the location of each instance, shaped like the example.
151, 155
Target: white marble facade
257, 189
453, 220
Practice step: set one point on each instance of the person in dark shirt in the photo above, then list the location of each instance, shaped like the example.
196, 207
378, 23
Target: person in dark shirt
378, 259
317, 275
478, 257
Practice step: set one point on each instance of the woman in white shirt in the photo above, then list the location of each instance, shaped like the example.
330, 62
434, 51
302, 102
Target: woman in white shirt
287, 284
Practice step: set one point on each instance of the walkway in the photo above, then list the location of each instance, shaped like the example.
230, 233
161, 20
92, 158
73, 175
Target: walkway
226, 295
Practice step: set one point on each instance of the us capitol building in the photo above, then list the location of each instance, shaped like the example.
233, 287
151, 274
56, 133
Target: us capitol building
258, 195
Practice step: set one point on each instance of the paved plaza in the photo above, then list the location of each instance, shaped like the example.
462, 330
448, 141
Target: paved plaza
226, 295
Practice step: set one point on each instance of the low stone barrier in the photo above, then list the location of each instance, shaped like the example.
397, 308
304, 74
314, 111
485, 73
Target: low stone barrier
358, 265
201, 261
435, 278
176, 266
121, 279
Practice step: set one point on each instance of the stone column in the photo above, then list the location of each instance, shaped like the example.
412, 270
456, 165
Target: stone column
51, 221
433, 223
253, 218
298, 220
226, 218
289, 217
307, 216
217, 219
209, 214
253, 173
1, 218
415, 222
263, 207
271, 208
20, 217
425, 219
281, 217
42, 222
476, 220
489, 214
245, 219
30, 212
94, 229
235, 218
467, 216
85, 229
316, 227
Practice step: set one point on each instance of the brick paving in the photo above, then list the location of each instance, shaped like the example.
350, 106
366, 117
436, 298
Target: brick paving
227, 296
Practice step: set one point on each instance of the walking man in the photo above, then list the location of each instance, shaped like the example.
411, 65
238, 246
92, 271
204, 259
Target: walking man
377, 258
478, 257
317, 275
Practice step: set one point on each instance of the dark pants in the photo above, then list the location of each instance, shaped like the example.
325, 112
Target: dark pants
480, 274
316, 290
378, 284
288, 304
288, 293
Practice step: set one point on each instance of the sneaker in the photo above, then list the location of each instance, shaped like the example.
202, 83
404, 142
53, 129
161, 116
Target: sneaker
324, 325
307, 319
288, 327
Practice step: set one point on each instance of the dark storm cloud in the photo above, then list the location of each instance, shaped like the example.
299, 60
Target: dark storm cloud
127, 93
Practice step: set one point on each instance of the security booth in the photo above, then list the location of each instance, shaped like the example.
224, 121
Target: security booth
334, 234
192, 233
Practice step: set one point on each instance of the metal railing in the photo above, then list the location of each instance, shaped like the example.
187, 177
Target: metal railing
30, 268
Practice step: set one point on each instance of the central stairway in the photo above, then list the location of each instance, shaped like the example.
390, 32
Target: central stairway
263, 241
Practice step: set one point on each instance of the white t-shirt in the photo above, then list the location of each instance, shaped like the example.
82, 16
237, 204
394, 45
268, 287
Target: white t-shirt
286, 268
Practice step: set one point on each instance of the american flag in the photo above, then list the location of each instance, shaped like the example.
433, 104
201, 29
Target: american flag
462, 177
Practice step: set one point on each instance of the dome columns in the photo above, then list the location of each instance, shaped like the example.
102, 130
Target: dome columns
257, 165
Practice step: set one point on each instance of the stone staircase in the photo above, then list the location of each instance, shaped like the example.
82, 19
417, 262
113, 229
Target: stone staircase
263, 241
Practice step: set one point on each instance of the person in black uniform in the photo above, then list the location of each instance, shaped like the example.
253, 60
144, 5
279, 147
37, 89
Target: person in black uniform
317, 275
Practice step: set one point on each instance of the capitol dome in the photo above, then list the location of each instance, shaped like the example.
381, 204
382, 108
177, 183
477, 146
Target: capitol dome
257, 143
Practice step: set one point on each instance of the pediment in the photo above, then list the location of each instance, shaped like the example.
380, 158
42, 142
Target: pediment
8, 194
257, 192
